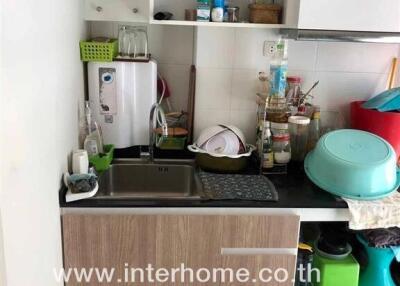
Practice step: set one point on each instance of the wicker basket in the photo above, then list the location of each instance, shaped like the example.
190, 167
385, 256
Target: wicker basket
265, 13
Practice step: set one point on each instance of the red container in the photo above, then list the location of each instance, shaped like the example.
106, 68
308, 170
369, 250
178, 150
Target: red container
383, 124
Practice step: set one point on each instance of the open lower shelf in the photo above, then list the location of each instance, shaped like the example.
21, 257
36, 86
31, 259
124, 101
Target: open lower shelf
217, 24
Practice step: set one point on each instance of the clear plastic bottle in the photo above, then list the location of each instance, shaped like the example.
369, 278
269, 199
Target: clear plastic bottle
93, 143
278, 69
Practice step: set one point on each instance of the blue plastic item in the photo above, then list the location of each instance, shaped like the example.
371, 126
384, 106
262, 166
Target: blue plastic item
219, 3
353, 164
377, 271
386, 101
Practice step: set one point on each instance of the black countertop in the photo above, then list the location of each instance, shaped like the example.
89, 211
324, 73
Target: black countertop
295, 191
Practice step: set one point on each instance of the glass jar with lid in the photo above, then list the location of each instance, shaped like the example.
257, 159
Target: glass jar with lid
298, 129
281, 148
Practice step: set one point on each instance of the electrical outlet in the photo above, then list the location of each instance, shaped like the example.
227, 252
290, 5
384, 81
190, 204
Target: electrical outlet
269, 48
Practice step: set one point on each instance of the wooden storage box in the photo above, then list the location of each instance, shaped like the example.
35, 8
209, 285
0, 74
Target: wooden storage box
265, 13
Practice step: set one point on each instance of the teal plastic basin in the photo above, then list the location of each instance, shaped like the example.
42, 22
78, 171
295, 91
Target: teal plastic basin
353, 164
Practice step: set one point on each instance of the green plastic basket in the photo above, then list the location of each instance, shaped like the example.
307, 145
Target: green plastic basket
98, 51
172, 143
102, 162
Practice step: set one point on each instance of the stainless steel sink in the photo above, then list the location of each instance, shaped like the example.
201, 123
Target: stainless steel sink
130, 178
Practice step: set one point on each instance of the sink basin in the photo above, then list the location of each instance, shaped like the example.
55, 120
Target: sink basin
127, 179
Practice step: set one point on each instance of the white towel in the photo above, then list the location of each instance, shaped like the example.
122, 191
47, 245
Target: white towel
382, 213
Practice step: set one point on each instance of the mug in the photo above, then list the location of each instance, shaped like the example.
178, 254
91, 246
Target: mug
80, 162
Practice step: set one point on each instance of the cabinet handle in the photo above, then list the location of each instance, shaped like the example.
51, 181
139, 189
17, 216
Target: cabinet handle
135, 10
99, 9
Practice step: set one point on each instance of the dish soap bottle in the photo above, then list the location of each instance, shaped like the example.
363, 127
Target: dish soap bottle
93, 143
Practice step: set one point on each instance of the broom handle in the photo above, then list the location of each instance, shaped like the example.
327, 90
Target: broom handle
393, 73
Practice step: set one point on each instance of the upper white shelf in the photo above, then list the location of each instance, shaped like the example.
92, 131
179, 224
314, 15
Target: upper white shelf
215, 24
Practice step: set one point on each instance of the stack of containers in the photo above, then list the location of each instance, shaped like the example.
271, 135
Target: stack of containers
275, 138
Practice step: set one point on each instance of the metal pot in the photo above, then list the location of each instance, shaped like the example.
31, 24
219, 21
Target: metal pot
221, 163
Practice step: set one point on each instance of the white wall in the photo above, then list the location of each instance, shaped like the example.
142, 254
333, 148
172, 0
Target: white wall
228, 61
42, 83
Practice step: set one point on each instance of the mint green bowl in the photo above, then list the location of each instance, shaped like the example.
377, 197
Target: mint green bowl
353, 164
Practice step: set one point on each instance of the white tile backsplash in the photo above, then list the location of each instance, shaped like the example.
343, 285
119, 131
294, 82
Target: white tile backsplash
302, 55
213, 88
338, 89
346, 71
215, 47
171, 45
355, 57
249, 48
244, 90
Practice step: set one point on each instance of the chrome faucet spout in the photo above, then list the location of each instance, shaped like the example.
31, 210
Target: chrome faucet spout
157, 117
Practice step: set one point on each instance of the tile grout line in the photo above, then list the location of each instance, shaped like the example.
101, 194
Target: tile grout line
232, 69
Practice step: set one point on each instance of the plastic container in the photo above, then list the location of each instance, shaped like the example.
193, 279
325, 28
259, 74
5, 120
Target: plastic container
377, 271
353, 164
102, 162
383, 124
298, 129
98, 51
335, 272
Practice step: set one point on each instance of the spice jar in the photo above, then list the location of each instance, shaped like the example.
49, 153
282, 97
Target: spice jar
298, 129
281, 148
293, 90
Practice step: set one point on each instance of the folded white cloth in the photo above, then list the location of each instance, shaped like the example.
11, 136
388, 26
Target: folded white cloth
382, 213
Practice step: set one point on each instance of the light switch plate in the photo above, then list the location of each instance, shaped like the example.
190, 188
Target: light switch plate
270, 48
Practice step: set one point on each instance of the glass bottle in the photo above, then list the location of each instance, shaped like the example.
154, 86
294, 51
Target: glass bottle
268, 155
314, 128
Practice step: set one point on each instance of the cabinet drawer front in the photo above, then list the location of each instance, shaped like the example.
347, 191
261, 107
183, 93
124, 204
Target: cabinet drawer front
167, 241
117, 10
260, 231
231, 231
274, 270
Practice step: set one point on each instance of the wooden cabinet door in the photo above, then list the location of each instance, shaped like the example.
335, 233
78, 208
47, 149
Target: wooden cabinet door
169, 241
281, 269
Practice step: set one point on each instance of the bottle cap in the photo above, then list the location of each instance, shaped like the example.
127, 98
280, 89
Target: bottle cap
301, 120
219, 3
294, 79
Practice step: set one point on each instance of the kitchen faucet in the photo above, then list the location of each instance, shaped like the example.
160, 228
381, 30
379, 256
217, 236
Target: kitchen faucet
157, 117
